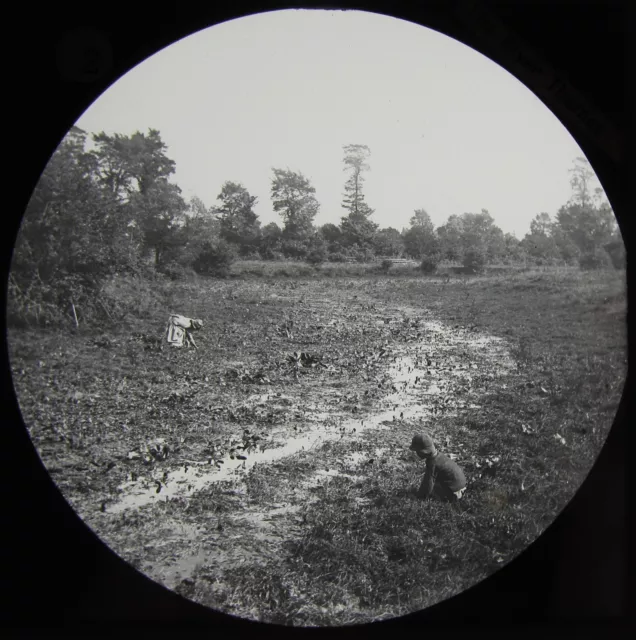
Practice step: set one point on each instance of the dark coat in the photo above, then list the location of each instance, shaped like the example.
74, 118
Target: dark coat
443, 475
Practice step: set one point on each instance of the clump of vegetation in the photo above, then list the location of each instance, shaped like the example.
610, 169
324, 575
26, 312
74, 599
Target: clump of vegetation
175, 271
317, 256
114, 210
385, 265
598, 259
616, 250
474, 260
428, 264
215, 259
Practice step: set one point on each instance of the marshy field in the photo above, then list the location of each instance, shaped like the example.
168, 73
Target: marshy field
267, 473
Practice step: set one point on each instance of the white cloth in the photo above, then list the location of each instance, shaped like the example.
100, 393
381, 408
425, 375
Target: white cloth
459, 493
179, 328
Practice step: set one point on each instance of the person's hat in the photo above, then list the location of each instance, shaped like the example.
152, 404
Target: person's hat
422, 442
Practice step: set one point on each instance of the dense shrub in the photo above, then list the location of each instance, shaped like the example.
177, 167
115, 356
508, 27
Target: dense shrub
33, 305
429, 264
316, 256
294, 249
474, 260
598, 259
175, 271
616, 252
272, 255
215, 259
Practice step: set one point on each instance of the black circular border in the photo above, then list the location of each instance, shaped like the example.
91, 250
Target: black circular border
61, 579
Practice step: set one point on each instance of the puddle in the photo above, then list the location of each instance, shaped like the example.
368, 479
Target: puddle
420, 374
197, 552
431, 368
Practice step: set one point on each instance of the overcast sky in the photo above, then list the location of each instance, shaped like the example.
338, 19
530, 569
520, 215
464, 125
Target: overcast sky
448, 129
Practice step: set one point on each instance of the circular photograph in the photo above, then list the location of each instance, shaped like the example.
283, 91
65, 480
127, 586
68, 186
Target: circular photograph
318, 318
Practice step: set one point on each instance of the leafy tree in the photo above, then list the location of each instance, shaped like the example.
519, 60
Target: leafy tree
73, 235
450, 236
388, 242
586, 221
200, 225
541, 248
540, 243
582, 179
420, 240
513, 251
293, 197
131, 163
421, 219
479, 230
541, 224
586, 226
471, 231
197, 209
496, 245
358, 231
136, 170
239, 223
357, 228
567, 249
158, 213
332, 236
317, 250
271, 241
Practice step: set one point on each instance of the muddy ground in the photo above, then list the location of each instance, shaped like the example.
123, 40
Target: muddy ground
200, 467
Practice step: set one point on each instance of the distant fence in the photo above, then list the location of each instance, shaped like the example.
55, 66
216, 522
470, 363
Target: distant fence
395, 260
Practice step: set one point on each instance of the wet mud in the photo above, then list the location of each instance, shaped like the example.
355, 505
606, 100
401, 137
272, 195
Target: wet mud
423, 376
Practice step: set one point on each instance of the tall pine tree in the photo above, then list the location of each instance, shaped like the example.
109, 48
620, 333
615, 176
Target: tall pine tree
357, 228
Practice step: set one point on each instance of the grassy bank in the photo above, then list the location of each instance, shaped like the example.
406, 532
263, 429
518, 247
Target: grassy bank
298, 269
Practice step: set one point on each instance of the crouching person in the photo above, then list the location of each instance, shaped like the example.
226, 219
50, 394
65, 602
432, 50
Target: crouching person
179, 330
444, 478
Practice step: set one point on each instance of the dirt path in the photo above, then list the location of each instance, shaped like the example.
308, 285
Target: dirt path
432, 374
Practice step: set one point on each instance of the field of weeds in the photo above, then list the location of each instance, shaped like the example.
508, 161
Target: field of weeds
267, 474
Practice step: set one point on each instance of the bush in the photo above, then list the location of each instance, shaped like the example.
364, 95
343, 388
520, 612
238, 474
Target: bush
474, 260
616, 252
272, 254
215, 259
316, 257
175, 271
368, 255
33, 306
429, 264
294, 249
50, 303
598, 259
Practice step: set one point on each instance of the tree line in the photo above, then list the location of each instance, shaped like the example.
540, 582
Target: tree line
113, 209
